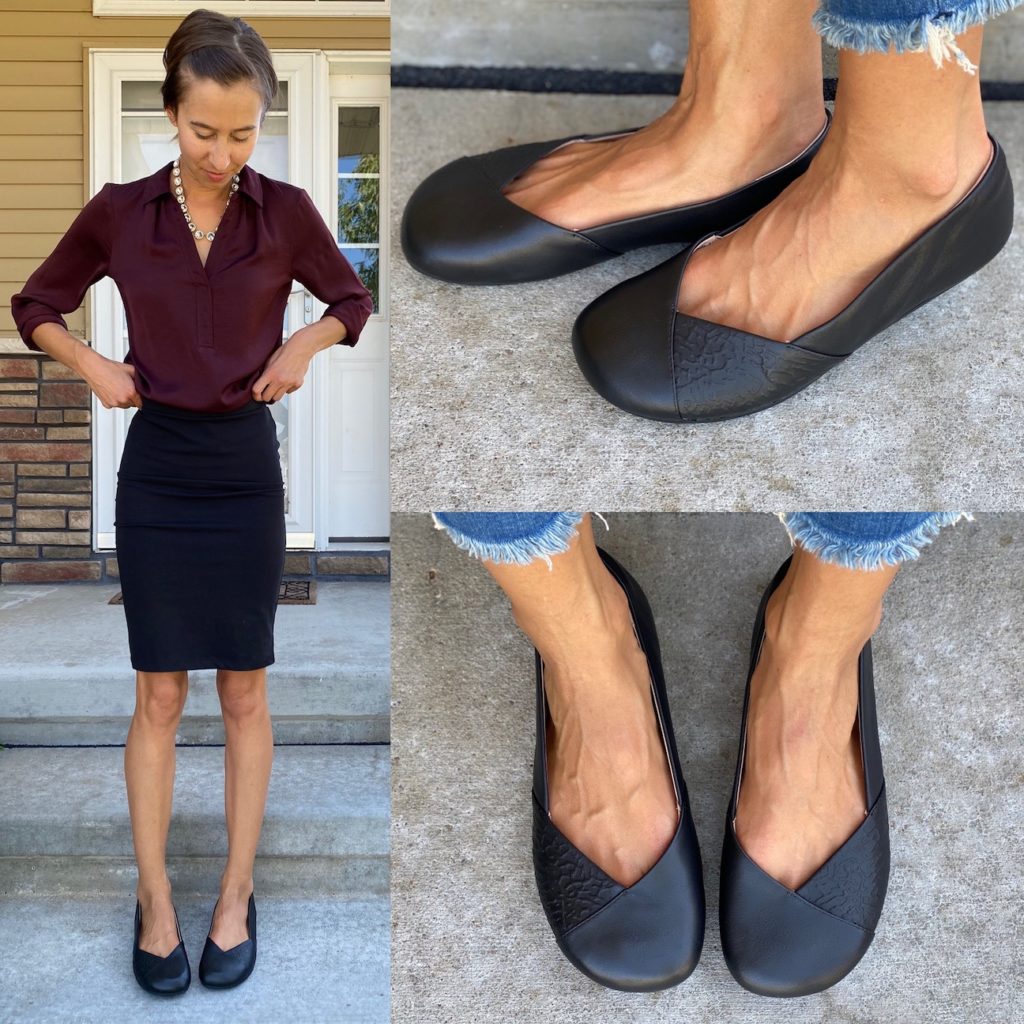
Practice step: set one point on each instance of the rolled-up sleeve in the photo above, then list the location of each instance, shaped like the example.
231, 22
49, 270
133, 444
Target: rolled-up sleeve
60, 282
319, 265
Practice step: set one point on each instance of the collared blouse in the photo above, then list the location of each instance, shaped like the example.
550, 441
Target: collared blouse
198, 336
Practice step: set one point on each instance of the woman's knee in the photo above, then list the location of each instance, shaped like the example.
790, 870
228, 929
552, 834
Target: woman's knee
243, 695
160, 699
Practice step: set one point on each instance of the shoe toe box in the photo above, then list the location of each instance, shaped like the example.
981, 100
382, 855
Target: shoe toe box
458, 227
775, 941
638, 939
622, 343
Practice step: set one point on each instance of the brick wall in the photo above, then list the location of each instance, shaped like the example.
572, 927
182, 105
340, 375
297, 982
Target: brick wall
45, 473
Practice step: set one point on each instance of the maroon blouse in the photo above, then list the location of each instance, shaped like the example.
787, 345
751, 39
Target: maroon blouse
199, 336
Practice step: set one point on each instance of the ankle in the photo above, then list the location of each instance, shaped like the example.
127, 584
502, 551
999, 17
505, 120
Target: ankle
236, 889
593, 614
154, 894
924, 175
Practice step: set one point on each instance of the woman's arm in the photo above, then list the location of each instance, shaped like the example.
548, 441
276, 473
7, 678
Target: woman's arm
58, 285
112, 382
286, 368
318, 265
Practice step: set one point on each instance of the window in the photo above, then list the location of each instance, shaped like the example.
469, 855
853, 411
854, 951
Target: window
359, 193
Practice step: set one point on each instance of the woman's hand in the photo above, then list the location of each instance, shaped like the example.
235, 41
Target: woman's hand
112, 382
284, 371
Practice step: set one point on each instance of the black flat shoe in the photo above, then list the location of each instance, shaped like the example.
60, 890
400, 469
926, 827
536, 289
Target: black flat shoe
226, 968
637, 351
459, 227
647, 936
781, 942
161, 975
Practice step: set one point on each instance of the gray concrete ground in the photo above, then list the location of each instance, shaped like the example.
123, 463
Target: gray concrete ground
470, 942
72, 682
489, 409
644, 35
322, 960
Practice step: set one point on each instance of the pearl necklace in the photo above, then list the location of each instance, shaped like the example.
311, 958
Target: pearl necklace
179, 193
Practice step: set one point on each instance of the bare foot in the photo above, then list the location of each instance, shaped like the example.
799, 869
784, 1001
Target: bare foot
159, 932
610, 790
802, 791
686, 155
230, 917
806, 256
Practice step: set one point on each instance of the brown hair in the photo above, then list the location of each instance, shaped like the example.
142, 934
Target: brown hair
208, 44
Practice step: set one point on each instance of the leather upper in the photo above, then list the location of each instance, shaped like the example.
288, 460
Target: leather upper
640, 353
458, 225
642, 937
781, 942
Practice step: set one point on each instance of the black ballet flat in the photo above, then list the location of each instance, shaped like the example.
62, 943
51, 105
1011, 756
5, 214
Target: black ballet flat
459, 227
220, 968
160, 975
647, 936
781, 942
640, 353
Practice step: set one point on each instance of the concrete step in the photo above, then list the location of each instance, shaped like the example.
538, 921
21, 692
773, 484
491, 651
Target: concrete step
66, 677
646, 35
319, 960
66, 828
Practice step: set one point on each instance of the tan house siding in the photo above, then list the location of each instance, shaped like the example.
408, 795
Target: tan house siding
45, 430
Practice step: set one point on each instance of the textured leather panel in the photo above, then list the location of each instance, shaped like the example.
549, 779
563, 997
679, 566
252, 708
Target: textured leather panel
571, 887
853, 882
720, 372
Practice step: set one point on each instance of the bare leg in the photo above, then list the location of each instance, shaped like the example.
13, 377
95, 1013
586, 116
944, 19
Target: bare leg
751, 100
908, 142
248, 753
149, 778
802, 792
610, 790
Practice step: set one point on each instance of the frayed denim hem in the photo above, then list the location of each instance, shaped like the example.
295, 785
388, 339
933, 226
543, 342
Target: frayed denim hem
804, 530
552, 540
934, 33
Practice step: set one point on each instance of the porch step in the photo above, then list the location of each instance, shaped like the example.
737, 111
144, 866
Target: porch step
66, 830
66, 678
646, 35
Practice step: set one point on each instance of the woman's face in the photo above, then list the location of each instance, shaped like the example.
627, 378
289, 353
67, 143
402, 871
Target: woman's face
217, 131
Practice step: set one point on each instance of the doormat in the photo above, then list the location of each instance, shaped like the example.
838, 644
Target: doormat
291, 592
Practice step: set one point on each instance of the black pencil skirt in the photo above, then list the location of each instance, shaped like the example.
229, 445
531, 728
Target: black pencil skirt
200, 534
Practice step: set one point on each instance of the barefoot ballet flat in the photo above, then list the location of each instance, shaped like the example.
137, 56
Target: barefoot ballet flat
226, 968
160, 975
781, 942
640, 353
459, 227
646, 936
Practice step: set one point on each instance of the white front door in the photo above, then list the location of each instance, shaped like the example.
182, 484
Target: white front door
130, 139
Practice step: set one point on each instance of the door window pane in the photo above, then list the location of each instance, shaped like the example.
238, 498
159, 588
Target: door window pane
359, 193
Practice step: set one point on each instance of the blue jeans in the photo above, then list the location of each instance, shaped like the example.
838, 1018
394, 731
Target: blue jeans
856, 540
905, 25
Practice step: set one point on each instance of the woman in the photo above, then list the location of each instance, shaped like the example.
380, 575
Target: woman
203, 251
806, 234
805, 860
